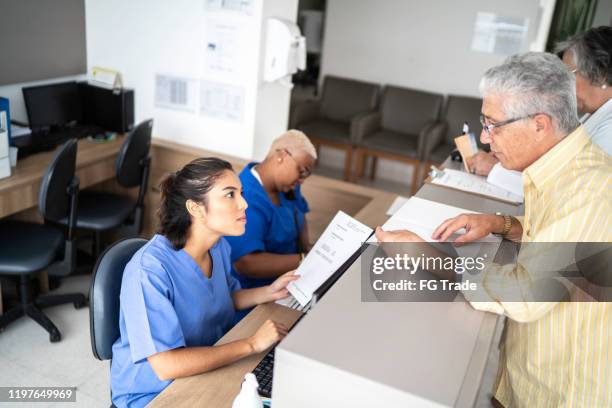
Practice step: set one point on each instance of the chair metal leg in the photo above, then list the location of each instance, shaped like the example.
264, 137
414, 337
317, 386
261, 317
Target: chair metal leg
39, 317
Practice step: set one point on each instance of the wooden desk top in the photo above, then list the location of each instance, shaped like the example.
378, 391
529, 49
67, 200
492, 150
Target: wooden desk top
219, 387
95, 163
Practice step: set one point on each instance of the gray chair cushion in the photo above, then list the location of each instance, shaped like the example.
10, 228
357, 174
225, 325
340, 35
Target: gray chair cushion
27, 247
393, 142
408, 110
101, 211
460, 109
343, 98
327, 129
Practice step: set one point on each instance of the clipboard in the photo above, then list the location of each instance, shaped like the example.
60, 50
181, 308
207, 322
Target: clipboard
466, 144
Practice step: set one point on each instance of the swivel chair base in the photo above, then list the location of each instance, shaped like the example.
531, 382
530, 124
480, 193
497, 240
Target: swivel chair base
32, 308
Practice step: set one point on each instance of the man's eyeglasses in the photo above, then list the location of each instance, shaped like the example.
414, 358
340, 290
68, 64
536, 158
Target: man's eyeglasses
489, 127
304, 172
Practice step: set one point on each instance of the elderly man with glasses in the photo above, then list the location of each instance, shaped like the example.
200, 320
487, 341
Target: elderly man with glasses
553, 353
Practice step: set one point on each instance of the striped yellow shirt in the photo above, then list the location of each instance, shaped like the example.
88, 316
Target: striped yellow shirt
559, 354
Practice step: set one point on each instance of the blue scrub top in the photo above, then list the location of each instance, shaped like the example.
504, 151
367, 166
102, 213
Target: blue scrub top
269, 228
167, 302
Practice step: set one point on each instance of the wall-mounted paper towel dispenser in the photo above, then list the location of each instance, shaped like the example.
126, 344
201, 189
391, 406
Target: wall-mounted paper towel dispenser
285, 51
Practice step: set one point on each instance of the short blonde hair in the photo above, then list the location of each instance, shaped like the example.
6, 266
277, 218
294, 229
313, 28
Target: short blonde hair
294, 141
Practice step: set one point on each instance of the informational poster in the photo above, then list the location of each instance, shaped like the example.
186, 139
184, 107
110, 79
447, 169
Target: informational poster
222, 101
502, 35
225, 48
173, 92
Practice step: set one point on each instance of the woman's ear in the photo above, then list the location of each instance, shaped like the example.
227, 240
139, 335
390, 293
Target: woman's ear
194, 209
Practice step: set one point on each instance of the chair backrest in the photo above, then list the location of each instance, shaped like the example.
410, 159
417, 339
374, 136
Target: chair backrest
53, 197
104, 295
460, 109
406, 110
343, 98
135, 148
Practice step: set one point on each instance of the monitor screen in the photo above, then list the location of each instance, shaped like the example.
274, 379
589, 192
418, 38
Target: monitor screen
53, 105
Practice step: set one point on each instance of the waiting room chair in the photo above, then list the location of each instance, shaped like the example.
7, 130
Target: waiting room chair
329, 121
104, 295
103, 211
398, 130
28, 248
439, 141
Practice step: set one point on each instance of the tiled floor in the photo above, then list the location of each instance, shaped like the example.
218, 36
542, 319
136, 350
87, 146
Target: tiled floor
27, 358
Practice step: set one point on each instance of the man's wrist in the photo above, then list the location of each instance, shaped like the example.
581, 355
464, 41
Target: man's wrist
498, 224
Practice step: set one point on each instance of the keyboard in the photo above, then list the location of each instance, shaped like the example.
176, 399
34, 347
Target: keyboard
40, 141
263, 373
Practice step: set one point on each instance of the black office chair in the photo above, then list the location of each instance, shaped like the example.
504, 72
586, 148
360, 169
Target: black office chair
103, 211
104, 295
27, 248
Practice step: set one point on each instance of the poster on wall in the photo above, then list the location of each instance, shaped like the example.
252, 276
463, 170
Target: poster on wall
225, 48
501, 35
174, 92
222, 101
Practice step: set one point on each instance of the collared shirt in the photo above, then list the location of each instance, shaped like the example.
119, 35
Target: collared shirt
599, 126
167, 302
560, 354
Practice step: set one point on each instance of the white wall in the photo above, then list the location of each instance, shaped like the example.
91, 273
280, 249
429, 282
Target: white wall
412, 43
141, 38
424, 45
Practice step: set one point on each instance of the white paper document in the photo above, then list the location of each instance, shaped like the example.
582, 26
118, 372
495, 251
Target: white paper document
342, 238
510, 180
423, 217
472, 183
397, 204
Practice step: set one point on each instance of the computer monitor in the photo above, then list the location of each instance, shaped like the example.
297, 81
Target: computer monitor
53, 105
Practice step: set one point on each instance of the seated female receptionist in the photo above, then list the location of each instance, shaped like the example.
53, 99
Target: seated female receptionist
276, 235
177, 294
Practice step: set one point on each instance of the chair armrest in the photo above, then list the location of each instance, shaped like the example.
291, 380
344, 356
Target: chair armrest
430, 137
304, 112
364, 124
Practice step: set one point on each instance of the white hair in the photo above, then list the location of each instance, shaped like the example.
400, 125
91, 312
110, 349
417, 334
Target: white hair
294, 141
535, 82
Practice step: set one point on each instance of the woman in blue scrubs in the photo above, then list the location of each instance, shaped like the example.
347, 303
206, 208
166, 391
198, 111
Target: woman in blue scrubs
276, 237
178, 296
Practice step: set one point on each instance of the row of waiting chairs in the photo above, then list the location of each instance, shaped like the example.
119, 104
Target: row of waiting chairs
402, 124
27, 248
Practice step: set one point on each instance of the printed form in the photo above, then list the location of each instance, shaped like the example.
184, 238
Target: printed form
342, 238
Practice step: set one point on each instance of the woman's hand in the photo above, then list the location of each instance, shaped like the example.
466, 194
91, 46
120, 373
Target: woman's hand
278, 289
397, 236
267, 335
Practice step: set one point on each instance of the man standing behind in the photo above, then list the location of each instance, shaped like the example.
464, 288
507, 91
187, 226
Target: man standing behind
554, 354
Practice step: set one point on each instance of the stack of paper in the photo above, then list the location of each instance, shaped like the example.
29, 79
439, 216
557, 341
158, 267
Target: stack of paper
507, 179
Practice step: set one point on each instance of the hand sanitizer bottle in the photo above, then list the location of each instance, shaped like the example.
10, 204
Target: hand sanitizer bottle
248, 396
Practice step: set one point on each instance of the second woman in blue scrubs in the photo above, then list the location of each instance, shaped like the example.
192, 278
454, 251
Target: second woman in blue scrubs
276, 237
178, 296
